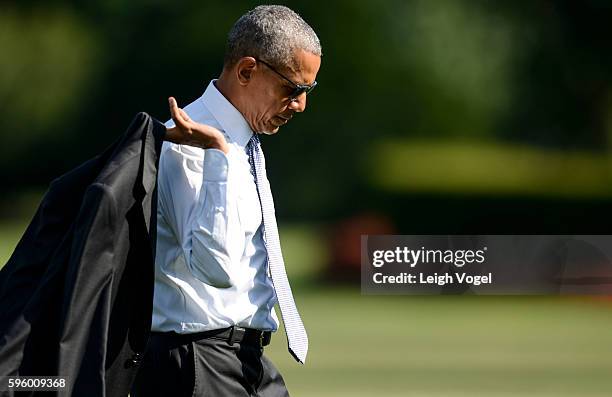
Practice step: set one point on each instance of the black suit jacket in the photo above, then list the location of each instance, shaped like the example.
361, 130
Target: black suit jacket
76, 295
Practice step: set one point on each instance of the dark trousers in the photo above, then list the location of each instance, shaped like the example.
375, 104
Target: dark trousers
206, 367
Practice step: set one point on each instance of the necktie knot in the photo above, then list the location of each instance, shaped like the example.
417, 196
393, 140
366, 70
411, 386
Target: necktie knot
253, 143
251, 147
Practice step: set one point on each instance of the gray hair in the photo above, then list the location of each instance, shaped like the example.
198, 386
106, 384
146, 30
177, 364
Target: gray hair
271, 33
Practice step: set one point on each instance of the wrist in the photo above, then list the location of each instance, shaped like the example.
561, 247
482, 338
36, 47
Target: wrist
220, 144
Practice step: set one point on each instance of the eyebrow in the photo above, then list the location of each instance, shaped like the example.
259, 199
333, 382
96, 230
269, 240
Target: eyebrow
302, 82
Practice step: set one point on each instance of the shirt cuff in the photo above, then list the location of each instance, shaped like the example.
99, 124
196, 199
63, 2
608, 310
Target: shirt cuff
215, 166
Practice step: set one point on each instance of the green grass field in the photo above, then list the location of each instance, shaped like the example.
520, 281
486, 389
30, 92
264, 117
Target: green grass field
449, 346
432, 346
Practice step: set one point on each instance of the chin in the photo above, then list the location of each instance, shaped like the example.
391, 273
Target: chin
270, 132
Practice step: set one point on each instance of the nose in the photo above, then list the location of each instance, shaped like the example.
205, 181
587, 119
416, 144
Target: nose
298, 104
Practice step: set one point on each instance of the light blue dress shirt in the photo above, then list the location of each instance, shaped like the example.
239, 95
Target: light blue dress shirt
210, 263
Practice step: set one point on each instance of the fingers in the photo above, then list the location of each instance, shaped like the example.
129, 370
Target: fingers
184, 115
177, 113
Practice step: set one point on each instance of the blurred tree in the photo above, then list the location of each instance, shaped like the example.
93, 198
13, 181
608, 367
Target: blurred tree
50, 59
532, 72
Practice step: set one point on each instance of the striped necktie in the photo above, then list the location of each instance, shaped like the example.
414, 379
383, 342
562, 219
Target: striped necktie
294, 328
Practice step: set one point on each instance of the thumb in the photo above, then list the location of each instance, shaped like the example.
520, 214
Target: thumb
174, 110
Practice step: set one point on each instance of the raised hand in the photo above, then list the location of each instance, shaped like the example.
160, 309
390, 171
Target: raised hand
188, 132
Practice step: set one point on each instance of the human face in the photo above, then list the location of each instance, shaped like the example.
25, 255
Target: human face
298, 89
271, 104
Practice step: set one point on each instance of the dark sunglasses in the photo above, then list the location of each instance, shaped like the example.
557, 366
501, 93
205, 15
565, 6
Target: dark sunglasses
298, 89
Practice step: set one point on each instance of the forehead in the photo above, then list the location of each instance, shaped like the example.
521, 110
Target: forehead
305, 68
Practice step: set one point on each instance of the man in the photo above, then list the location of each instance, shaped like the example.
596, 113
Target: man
219, 269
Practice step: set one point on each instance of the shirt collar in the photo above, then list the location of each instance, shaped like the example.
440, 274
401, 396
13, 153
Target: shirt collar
230, 119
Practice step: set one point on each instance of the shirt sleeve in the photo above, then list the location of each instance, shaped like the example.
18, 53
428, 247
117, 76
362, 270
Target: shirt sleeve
203, 217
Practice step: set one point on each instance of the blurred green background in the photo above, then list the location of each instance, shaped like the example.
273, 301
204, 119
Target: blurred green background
446, 116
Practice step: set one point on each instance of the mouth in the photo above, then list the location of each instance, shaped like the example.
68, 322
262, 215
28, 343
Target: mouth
280, 120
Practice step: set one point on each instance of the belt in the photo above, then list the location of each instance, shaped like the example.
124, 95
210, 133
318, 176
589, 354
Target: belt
232, 334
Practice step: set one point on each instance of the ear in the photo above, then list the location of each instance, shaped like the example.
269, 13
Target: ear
244, 70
